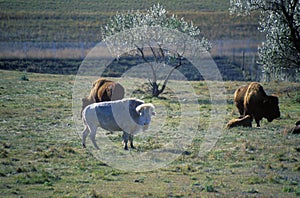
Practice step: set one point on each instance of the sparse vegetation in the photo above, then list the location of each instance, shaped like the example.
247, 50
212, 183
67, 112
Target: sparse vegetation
41, 154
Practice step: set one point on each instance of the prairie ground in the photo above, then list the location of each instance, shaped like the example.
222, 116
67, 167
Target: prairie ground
41, 153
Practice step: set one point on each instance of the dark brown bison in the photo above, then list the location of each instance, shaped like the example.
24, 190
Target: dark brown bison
245, 121
296, 129
256, 103
103, 90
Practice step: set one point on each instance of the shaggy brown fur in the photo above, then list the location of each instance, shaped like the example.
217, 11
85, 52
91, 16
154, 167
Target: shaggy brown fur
258, 104
239, 95
103, 90
245, 121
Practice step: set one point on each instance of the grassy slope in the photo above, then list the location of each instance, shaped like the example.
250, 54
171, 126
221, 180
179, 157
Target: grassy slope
112, 5
41, 155
62, 30
80, 21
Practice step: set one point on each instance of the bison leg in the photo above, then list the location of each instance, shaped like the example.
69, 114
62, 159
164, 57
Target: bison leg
131, 141
257, 122
125, 140
241, 111
93, 136
240, 107
84, 135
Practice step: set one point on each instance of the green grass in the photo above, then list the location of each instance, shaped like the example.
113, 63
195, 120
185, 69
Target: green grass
41, 153
80, 21
111, 5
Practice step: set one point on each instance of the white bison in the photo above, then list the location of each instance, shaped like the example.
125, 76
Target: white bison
128, 115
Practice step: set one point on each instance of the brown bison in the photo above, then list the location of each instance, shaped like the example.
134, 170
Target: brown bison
252, 100
296, 129
103, 90
245, 121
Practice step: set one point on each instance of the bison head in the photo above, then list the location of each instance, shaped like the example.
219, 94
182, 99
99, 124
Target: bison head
271, 108
145, 112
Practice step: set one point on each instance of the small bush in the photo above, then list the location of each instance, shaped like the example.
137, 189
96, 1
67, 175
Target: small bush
24, 77
287, 189
37, 178
297, 97
210, 188
3, 153
95, 194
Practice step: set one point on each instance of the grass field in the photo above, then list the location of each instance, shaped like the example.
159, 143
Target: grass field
80, 21
41, 153
50, 37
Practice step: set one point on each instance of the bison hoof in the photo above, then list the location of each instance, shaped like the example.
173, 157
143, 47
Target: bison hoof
83, 145
126, 148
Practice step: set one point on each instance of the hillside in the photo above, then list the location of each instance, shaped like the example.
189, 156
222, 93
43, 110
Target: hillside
64, 30
80, 21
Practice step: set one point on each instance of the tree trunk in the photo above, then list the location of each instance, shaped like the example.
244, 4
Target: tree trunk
155, 90
155, 87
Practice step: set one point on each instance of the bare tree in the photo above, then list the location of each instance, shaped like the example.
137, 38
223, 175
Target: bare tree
149, 35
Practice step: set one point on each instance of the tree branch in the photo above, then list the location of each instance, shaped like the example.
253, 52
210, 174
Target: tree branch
161, 51
144, 58
289, 17
153, 52
169, 74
